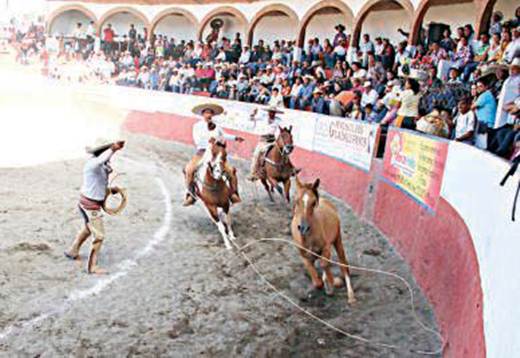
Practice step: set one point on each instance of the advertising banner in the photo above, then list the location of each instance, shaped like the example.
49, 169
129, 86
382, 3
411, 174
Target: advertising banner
350, 141
415, 164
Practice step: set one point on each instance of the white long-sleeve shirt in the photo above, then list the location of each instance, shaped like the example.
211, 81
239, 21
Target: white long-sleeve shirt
95, 176
202, 134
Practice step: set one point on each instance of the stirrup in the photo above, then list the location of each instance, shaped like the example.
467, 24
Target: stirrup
253, 177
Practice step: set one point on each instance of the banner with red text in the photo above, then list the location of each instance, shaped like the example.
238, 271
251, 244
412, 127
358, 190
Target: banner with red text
415, 164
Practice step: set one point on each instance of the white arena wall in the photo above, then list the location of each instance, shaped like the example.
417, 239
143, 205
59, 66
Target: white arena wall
385, 24
454, 15
271, 28
121, 23
178, 27
322, 26
65, 25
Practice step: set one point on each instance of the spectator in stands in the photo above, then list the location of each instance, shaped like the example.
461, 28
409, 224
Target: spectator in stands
464, 122
408, 112
485, 108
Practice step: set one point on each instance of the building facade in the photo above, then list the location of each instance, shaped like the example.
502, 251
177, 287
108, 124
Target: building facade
280, 19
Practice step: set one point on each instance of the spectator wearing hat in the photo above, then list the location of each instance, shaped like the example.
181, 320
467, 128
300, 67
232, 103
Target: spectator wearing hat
370, 95
509, 93
318, 103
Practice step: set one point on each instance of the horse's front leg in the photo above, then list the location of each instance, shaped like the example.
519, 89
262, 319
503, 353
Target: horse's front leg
275, 185
215, 217
327, 276
287, 190
266, 186
226, 219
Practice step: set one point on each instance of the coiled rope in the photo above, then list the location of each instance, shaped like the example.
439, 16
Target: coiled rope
115, 191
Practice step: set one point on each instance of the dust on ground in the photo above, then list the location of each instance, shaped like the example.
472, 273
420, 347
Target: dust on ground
187, 296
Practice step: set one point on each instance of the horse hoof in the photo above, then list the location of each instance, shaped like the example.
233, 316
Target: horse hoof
351, 301
338, 282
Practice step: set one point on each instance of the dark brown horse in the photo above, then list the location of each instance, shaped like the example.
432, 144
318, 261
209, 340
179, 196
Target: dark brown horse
316, 226
213, 188
276, 166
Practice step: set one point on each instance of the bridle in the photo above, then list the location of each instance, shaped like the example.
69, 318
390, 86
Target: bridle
285, 151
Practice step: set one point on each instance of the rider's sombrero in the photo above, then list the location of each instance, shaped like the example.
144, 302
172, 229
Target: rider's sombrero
272, 109
201, 108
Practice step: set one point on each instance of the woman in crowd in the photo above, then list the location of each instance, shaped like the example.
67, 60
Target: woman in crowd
409, 105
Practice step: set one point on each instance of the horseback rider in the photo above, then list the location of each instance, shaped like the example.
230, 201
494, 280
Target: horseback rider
203, 131
266, 140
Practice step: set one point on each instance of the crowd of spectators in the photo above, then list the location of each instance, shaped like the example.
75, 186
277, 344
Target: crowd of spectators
464, 86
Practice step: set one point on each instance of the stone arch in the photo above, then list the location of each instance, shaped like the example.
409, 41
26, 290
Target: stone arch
173, 11
266, 11
425, 5
321, 5
368, 7
220, 11
122, 9
63, 9
484, 15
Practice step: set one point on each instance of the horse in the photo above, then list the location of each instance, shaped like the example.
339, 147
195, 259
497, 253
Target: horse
212, 187
276, 166
316, 226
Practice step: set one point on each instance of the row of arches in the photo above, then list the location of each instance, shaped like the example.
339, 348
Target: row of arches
280, 21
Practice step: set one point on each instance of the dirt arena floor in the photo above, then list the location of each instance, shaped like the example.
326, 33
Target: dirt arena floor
173, 290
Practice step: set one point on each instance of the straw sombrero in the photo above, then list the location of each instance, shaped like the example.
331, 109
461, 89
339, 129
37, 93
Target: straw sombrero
215, 108
100, 145
272, 109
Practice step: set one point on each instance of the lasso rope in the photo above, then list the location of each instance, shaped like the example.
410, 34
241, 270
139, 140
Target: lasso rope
115, 191
331, 326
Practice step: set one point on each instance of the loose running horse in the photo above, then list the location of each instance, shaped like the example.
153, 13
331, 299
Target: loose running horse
316, 226
213, 188
276, 166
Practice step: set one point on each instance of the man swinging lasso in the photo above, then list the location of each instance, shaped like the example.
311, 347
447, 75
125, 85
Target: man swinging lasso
203, 131
92, 199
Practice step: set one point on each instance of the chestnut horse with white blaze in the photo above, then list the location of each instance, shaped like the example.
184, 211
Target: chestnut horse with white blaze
277, 166
214, 189
316, 226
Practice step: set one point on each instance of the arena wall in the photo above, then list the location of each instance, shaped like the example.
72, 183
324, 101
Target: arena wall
462, 254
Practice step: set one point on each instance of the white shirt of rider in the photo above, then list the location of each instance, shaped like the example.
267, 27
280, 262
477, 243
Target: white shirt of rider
202, 134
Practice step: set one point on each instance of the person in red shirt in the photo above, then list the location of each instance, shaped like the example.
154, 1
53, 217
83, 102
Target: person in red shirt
108, 38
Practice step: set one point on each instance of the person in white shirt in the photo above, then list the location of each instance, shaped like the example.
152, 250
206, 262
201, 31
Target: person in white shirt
93, 195
266, 139
370, 96
203, 131
465, 122
510, 91
245, 56
276, 99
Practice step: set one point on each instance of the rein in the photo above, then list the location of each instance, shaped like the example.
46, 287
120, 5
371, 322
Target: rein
284, 157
